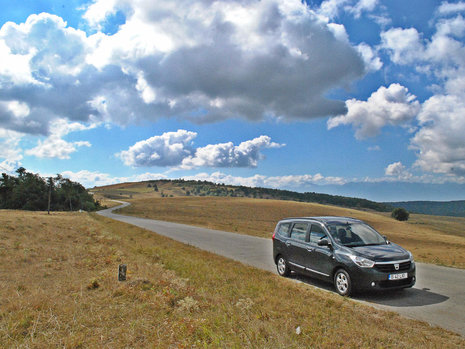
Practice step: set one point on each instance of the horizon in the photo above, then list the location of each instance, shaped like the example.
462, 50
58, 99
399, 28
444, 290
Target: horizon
356, 98
231, 185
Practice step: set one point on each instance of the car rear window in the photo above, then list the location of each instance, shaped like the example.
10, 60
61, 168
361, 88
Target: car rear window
283, 229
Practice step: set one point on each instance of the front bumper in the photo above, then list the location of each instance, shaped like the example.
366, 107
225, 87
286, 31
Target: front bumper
378, 278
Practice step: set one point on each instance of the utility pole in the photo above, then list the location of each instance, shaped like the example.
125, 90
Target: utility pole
49, 193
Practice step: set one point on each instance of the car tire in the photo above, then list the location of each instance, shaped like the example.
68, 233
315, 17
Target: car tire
282, 266
342, 283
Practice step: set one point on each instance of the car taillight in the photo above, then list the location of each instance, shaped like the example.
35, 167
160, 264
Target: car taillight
272, 238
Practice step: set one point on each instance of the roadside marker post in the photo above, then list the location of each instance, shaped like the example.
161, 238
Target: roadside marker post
122, 272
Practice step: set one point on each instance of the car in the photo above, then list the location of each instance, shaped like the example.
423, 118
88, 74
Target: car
342, 250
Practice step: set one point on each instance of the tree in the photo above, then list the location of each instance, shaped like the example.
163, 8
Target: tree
31, 192
7, 186
399, 213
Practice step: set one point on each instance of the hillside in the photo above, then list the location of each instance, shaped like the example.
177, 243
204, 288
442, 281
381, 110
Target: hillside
60, 290
437, 208
432, 239
176, 188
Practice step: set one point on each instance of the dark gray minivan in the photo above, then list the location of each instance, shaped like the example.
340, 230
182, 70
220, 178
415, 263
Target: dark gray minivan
342, 250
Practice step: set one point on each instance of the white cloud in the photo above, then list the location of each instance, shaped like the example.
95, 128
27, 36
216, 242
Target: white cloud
246, 154
331, 8
370, 57
228, 59
48, 77
15, 67
11, 153
404, 45
448, 8
386, 106
176, 149
363, 6
93, 178
98, 11
440, 54
278, 182
398, 170
440, 141
9, 166
54, 146
169, 149
18, 109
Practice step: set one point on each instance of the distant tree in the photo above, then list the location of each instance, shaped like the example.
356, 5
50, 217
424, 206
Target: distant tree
149, 185
155, 187
31, 192
399, 213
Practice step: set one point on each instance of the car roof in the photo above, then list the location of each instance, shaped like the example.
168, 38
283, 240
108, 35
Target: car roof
325, 219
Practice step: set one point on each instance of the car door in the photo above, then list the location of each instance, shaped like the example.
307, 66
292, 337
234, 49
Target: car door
320, 258
297, 245
280, 245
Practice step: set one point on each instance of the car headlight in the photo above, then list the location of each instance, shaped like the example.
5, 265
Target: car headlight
362, 262
410, 256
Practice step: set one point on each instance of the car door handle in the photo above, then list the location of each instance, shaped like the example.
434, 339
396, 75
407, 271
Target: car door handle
310, 249
288, 243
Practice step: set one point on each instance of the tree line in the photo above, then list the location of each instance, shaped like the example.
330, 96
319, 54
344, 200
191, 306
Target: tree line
29, 191
205, 188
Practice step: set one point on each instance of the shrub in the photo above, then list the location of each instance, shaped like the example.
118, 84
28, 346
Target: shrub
399, 213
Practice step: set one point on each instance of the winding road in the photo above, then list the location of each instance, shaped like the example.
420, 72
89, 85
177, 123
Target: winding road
437, 298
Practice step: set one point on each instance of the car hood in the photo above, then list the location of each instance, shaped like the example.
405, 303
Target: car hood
382, 253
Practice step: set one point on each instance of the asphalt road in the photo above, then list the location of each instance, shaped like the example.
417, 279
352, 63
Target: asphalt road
437, 298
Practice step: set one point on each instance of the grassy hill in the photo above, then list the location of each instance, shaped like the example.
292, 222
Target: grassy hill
437, 208
60, 289
174, 188
432, 239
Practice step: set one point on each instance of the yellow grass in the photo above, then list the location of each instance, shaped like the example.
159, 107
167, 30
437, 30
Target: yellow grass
59, 289
137, 190
438, 240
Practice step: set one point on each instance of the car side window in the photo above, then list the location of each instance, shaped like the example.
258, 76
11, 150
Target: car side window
283, 229
299, 231
316, 233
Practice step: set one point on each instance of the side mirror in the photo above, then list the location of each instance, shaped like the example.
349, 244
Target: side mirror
387, 241
324, 242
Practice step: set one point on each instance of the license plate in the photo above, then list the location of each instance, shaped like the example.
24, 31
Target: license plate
397, 276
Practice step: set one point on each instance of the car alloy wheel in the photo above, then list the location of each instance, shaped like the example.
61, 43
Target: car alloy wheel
282, 266
342, 282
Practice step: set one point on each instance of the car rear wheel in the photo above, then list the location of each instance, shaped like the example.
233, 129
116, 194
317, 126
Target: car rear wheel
342, 282
282, 266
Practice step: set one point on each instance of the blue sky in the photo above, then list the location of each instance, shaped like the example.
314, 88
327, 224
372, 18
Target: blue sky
354, 97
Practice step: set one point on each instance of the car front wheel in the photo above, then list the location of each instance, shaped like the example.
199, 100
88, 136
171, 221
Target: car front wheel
282, 266
342, 282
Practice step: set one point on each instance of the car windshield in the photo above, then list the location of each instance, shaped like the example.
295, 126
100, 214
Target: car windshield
355, 234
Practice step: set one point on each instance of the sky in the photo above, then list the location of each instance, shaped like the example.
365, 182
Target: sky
363, 98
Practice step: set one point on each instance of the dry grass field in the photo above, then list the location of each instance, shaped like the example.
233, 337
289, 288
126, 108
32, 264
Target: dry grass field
59, 288
438, 240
